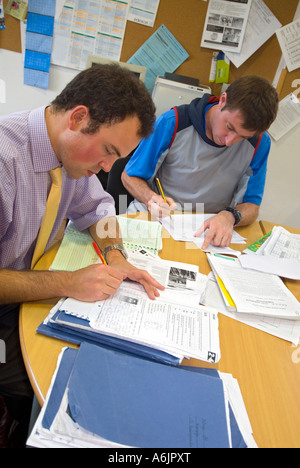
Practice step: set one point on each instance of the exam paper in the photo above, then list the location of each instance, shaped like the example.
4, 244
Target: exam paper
281, 244
254, 291
178, 329
288, 330
284, 267
279, 254
183, 227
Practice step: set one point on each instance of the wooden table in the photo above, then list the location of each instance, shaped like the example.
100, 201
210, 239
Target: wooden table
267, 368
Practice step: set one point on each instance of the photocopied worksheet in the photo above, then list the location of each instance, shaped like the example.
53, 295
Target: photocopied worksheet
180, 330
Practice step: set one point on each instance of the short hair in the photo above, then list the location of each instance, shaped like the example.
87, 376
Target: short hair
256, 99
111, 93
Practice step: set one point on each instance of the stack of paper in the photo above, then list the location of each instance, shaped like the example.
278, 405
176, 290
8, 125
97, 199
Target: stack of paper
102, 398
168, 329
76, 250
278, 253
248, 291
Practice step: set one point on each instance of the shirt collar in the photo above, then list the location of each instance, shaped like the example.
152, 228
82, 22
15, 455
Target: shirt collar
43, 157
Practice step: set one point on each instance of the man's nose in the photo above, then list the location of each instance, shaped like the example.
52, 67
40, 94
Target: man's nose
231, 138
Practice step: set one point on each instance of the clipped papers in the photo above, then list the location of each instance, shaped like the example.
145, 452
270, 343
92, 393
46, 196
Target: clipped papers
158, 405
252, 291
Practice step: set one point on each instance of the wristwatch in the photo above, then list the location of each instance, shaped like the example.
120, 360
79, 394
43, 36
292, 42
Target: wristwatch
237, 215
115, 247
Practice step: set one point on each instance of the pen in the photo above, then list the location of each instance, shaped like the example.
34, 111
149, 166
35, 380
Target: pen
99, 253
162, 192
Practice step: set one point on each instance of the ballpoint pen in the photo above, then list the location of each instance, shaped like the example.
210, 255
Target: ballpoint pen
99, 253
162, 192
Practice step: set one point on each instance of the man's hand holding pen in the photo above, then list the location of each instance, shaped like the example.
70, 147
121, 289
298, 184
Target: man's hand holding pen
161, 208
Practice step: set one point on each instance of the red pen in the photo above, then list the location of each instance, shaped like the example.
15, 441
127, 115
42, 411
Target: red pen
99, 253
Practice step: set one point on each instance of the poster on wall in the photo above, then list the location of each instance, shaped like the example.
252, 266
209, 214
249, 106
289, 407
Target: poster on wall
86, 27
225, 24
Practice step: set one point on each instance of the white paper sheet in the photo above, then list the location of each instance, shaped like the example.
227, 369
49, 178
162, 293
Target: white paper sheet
289, 40
225, 24
262, 24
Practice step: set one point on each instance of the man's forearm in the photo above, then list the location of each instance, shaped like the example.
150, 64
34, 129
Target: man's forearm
138, 188
24, 286
249, 212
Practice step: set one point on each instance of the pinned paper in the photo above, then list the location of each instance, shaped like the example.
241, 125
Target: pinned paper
39, 35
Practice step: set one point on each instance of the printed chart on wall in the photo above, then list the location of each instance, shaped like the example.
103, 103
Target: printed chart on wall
225, 24
84, 27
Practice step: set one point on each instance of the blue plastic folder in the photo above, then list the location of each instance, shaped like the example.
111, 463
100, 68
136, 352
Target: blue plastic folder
145, 404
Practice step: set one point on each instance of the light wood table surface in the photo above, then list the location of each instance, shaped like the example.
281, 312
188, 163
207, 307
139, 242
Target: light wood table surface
267, 368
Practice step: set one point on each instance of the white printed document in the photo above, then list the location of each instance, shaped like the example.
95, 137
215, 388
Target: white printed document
182, 227
143, 11
262, 24
279, 255
225, 25
180, 330
289, 40
254, 292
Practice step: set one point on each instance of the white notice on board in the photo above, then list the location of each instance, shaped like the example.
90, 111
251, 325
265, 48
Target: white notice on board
289, 40
287, 118
225, 24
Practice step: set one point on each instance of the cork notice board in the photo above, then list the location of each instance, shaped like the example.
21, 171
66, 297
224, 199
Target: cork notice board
10, 37
185, 19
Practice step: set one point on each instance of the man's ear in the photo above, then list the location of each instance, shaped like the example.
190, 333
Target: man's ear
79, 118
223, 100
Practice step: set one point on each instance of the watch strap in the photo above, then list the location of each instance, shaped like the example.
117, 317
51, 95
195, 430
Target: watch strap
115, 247
237, 215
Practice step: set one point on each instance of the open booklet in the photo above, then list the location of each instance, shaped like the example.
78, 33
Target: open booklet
76, 250
180, 328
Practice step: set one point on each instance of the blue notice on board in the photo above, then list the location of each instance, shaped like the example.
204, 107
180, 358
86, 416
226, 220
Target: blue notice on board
161, 53
39, 37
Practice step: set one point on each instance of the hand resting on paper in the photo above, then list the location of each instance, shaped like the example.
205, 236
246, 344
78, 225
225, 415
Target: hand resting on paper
219, 230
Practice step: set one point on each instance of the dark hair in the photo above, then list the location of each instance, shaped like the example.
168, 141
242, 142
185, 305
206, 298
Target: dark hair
256, 99
111, 93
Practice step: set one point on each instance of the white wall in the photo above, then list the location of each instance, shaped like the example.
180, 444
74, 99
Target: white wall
281, 203
21, 97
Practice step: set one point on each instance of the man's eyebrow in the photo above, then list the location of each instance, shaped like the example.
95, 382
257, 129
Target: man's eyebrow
115, 150
234, 130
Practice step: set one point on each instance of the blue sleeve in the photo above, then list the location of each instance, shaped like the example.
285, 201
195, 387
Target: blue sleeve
144, 160
256, 183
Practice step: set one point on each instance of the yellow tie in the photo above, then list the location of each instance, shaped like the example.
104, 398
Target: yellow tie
49, 216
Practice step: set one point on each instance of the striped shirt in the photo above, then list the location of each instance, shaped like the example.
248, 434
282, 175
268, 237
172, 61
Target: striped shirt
26, 156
